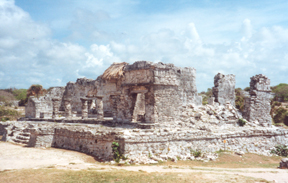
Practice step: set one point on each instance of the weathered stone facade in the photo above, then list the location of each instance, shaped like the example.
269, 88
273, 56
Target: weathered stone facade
149, 92
157, 112
257, 106
42, 107
224, 89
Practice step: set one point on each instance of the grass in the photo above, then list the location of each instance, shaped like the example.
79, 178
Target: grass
7, 113
229, 160
55, 175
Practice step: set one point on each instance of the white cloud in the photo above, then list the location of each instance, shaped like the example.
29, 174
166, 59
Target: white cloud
233, 42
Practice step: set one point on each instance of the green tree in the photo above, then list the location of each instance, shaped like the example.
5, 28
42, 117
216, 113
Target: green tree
281, 92
239, 101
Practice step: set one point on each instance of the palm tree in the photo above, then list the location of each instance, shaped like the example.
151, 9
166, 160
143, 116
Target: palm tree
35, 90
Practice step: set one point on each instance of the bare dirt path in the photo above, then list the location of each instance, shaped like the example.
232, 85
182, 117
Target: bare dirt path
19, 157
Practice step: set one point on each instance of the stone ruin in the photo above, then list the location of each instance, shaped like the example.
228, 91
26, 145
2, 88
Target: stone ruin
257, 106
153, 111
224, 89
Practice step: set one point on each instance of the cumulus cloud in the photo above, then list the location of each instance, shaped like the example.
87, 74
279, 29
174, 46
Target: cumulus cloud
220, 43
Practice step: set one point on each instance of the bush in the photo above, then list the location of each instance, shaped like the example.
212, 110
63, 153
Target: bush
21, 94
117, 156
206, 96
5, 119
196, 153
239, 101
6, 97
241, 122
280, 115
280, 150
281, 92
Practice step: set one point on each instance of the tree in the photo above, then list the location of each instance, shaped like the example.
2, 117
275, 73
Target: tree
35, 90
281, 92
239, 101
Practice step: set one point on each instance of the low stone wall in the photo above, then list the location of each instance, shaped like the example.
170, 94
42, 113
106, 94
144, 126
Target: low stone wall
96, 143
170, 144
161, 143
91, 141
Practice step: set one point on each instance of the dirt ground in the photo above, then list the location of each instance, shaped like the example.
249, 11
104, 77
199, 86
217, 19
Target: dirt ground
19, 157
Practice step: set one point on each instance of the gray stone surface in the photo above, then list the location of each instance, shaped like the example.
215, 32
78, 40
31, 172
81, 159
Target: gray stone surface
224, 88
44, 104
257, 106
284, 163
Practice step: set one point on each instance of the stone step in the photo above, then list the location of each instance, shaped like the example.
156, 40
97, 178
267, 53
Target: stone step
20, 141
23, 137
25, 134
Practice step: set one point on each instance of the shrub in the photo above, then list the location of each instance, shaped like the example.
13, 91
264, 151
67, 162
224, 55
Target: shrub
280, 150
5, 119
6, 97
196, 153
117, 156
241, 122
281, 92
239, 101
280, 115
206, 96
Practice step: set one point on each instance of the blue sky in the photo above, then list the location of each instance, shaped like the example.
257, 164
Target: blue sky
53, 42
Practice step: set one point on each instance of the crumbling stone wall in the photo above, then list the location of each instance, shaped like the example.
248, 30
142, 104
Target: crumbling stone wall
257, 106
163, 88
42, 107
166, 89
224, 89
167, 143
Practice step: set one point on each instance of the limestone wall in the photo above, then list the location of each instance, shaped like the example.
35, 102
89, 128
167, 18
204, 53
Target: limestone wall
257, 106
224, 89
42, 107
169, 143
88, 141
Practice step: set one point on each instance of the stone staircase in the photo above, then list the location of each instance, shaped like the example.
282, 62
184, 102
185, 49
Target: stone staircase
21, 137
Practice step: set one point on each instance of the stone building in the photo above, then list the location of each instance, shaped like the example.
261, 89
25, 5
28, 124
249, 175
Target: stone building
143, 91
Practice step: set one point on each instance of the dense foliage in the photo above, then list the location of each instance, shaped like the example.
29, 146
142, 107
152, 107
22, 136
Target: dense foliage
206, 96
7, 114
36, 90
281, 92
239, 101
280, 150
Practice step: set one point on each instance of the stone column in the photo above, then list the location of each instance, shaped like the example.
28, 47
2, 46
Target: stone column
56, 105
84, 108
99, 107
224, 89
113, 100
68, 110
149, 108
257, 106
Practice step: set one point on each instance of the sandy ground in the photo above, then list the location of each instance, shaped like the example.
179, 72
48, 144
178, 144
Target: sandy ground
19, 157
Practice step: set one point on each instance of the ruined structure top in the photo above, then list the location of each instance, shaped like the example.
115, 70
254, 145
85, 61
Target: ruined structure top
142, 91
257, 106
260, 83
224, 89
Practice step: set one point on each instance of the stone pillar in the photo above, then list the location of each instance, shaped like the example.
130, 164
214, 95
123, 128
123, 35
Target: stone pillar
224, 89
113, 101
99, 107
149, 108
56, 105
68, 109
84, 108
257, 106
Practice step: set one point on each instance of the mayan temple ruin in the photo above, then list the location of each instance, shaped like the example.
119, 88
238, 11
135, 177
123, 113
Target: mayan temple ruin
153, 110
